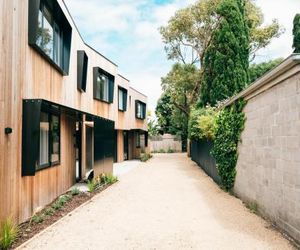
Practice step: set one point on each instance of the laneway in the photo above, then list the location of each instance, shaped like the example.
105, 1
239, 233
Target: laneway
167, 203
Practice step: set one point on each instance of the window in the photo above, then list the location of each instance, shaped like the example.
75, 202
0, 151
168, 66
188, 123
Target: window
103, 86
50, 33
49, 149
82, 66
122, 94
140, 109
138, 140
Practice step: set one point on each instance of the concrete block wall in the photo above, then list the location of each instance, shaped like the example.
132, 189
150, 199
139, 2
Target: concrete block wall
268, 167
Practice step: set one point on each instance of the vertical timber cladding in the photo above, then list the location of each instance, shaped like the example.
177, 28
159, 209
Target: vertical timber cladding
104, 145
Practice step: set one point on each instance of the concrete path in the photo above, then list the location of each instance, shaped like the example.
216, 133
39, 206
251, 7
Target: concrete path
167, 203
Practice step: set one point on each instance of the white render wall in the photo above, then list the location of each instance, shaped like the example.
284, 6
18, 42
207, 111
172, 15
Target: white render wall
268, 167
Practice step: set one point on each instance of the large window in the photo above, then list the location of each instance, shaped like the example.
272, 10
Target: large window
103, 86
140, 110
49, 148
122, 97
50, 33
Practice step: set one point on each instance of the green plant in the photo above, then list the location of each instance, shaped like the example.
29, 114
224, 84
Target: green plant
57, 205
230, 124
170, 150
296, 33
49, 211
145, 157
202, 124
253, 207
75, 191
110, 179
37, 218
9, 231
161, 151
91, 185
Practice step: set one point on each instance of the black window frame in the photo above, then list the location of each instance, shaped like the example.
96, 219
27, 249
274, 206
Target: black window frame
138, 140
144, 106
111, 85
61, 21
50, 112
125, 95
82, 68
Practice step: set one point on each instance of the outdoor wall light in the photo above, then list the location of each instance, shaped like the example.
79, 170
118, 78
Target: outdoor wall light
8, 131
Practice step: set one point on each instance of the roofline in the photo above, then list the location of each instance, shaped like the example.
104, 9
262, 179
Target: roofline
138, 91
63, 1
123, 77
265, 82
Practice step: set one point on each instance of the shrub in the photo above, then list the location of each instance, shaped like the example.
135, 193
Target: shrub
145, 157
49, 211
170, 150
202, 124
230, 124
57, 205
91, 185
8, 233
110, 179
253, 207
37, 218
75, 191
161, 151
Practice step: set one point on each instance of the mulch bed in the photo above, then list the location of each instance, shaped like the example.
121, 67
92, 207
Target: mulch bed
28, 228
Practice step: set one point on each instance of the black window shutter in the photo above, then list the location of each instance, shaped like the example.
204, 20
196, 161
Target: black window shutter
111, 90
144, 111
136, 109
95, 75
146, 139
30, 136
124, 100
82, 65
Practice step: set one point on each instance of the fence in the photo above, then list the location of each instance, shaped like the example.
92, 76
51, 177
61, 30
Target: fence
200, 153
165, 143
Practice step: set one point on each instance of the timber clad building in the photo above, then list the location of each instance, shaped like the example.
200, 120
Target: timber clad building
64, 109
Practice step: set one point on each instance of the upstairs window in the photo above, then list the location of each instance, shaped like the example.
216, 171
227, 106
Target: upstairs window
122, 94
140, 110
50, 33
103, 86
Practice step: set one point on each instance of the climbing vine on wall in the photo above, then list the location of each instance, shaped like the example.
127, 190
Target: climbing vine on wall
230, 124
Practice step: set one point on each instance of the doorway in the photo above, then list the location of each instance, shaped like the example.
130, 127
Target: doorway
78, 152
125, 143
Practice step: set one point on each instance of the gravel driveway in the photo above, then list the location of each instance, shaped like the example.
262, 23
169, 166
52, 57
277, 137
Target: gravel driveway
167, 203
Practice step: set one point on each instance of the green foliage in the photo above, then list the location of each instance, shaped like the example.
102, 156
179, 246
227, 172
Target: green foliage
226, 60
170, 151
258, 70
75, 191
8, 233
162, 151
37, 218
296, 34
110, 179
202, 124
253, 207
152, 127
91, 185
163, 112
230, 124
49, 211
145, 157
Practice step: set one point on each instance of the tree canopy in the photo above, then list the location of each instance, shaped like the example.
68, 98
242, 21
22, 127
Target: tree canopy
296, 34
226, 61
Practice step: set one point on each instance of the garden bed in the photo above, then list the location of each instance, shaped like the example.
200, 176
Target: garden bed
52, 213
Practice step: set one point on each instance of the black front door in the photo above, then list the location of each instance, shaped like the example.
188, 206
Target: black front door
125, 137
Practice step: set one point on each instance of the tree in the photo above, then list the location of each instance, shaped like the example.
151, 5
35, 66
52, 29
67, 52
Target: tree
296, 34
189, 31
258, 70
163, 112
226, 62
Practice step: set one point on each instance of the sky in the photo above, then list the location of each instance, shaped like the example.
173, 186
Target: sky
126, 31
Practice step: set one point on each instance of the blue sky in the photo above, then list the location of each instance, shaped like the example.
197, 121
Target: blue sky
126, 31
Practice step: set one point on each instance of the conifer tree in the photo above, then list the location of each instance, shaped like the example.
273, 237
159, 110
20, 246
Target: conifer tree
296, 33
226, 60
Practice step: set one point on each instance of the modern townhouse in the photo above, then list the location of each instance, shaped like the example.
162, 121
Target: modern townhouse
64, 109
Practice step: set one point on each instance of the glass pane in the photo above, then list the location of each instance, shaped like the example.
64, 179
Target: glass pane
57, 45
44, 139
45, 32
121, 101
55, 137
104, 87
139, 110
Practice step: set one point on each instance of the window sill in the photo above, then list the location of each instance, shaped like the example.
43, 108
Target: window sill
43, 167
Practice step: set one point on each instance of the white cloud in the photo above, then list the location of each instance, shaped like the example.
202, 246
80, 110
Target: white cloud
126, 31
